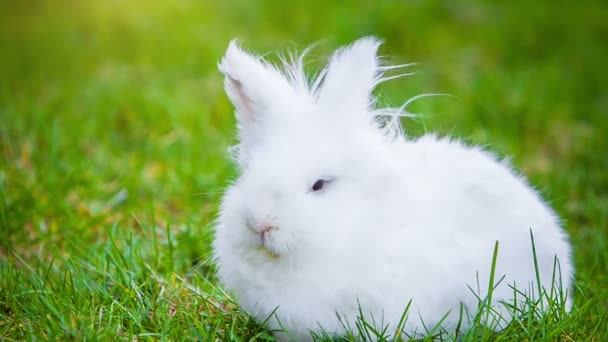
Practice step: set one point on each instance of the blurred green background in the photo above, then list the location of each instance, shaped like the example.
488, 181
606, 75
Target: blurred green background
114, 127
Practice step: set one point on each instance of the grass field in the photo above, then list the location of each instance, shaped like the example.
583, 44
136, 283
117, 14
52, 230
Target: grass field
114, 129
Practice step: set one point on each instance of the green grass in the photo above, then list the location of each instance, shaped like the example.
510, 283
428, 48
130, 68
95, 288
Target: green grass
114, 126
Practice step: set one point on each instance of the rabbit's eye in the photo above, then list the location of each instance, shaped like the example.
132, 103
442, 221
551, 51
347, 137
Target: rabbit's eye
319, 184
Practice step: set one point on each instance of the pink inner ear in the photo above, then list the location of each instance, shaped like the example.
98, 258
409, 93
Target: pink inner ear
252, 84
243, 103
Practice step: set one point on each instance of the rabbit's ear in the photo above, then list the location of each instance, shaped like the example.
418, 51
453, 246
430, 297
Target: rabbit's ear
352, 74
251, 84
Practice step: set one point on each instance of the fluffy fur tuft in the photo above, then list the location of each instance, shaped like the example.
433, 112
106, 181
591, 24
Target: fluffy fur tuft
335, 210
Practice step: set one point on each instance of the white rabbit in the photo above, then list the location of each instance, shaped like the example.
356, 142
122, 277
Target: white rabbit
335, 212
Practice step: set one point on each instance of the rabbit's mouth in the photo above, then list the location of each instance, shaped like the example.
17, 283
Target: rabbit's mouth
267, 241
268, 252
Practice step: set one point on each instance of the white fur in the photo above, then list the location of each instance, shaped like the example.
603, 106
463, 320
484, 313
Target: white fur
401, 218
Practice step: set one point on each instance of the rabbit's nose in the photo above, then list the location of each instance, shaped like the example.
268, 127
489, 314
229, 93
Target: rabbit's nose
265, 232
262, 229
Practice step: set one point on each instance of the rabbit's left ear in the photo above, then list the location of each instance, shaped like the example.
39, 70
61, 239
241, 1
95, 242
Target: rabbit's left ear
251, 84
255, 88
351, 75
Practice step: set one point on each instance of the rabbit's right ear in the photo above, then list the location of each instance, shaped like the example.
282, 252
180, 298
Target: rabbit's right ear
251, 84
352, 74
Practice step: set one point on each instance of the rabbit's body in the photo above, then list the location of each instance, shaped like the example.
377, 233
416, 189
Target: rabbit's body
394, 219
